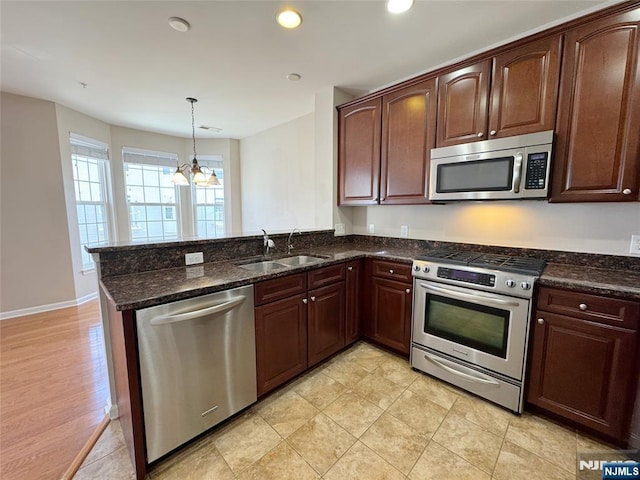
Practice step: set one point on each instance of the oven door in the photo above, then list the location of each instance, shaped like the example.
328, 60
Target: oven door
480, 328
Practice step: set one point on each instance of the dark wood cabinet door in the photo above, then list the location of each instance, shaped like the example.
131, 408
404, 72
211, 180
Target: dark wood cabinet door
390, 322
463, 105
583, 371
353, 301
281, 342
408, 135
359, 153
524, 89
326, 317
598, 140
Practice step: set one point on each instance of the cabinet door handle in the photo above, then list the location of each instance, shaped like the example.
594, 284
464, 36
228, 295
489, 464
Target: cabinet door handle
493, 132
480, 135
391, 272
313, 299
408, 290
350, 269
626, 191
583, 306
541, 321
305, 301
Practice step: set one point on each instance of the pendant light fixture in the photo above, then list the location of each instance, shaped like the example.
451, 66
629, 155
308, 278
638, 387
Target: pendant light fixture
199, 177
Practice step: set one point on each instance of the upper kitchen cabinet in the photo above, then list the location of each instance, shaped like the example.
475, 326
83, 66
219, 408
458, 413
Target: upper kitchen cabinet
408, 135
359, 153
598, 140
384, 147
462, 104
520, 97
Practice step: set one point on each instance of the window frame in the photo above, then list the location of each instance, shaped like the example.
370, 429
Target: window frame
91, 151
155, 160
212, 162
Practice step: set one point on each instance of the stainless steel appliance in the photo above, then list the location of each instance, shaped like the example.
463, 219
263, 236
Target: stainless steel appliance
502, 169
471, 316
197, 365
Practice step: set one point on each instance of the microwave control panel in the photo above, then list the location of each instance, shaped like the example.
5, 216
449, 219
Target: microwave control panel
536, 175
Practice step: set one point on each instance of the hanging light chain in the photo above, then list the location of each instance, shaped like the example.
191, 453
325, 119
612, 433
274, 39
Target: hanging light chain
193, 125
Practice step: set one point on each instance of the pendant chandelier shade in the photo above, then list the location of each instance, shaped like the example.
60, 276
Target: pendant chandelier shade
198, 175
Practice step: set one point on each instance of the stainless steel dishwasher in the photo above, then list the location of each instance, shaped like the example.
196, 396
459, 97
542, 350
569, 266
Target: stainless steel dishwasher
197, 365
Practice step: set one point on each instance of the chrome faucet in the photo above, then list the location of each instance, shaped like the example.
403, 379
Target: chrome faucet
267, 242
289, 245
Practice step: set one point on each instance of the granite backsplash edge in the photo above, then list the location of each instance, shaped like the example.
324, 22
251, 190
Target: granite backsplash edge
121, 261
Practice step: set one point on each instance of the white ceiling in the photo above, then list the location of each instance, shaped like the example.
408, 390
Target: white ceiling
235, 59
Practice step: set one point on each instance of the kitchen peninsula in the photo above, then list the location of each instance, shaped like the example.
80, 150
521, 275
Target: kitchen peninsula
134, 276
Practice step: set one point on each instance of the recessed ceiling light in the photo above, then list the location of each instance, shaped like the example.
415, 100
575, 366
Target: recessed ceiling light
179, 24
289, 18
294, 77
399, 6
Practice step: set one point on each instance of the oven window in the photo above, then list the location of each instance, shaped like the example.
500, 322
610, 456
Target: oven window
476, 326
490, 175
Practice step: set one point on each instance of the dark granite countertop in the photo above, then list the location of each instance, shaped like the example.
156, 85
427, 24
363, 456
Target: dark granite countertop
146, 289
601, 281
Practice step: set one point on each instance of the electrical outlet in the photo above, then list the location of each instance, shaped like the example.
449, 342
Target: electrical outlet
635, 245
404, 231
372, 228
193, 258
339, 229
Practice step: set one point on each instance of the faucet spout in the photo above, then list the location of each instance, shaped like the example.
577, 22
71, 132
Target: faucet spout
267, 242
289, 244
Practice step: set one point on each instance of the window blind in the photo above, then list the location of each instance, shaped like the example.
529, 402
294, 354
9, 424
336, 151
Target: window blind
147, 157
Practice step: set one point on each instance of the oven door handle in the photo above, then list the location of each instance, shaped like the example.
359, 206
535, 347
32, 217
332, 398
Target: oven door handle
468, 296
466, 376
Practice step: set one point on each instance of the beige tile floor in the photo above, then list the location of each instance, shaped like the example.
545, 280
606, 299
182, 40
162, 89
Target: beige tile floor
365, 414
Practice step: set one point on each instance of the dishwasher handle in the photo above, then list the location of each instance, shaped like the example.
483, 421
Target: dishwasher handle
214, 309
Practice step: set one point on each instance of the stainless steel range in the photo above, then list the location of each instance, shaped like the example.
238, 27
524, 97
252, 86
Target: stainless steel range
471, 316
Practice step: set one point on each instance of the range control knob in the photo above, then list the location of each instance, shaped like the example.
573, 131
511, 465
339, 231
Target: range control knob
416, 268
525, 285
510, 283
425, 269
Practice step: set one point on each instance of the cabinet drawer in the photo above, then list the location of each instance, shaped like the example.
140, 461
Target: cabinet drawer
392, 270
279, 288
607, 310
326, 275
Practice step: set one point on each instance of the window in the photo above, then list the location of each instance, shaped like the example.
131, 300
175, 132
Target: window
90, 162
209, 201
151, 197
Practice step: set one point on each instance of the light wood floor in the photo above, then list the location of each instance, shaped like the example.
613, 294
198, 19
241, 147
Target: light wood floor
53, 390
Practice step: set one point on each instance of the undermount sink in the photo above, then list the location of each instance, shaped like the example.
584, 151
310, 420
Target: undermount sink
263, 266
300, 260
280, 263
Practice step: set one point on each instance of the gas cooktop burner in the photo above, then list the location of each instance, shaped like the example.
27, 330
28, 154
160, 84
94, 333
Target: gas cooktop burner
505, 263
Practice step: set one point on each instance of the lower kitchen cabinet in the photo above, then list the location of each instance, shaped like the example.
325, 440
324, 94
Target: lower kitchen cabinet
388, 318
281, 342
583, 360
300, 320
326, 315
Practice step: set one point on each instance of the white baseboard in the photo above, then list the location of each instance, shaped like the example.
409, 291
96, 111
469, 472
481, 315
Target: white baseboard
111, 410
47, 308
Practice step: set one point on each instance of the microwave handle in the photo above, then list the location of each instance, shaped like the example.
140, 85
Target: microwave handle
517, 172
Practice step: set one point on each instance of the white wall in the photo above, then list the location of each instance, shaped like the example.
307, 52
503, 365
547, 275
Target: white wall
604, 228
70, 121
279, 177
35, 254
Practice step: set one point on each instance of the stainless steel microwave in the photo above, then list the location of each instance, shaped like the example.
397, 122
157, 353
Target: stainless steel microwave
502, 169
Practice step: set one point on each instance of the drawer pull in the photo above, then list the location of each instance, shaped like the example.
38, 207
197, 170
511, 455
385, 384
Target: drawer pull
350, 269
408, 290
582, 306
313, 299
626, 191
305, 301
541, 321
391, 272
